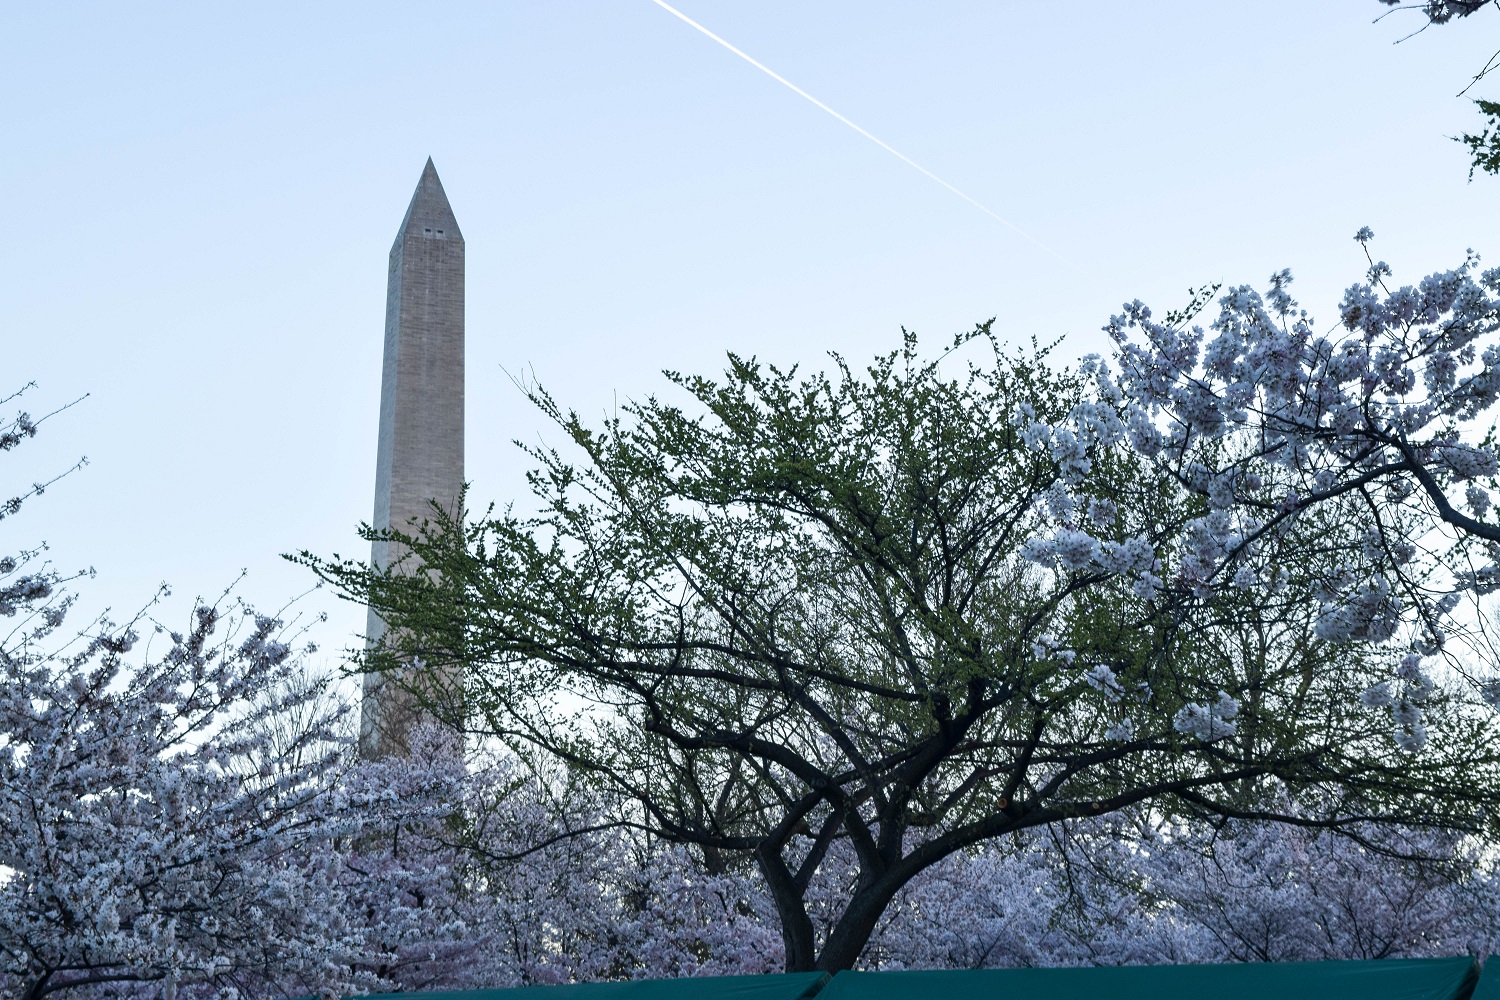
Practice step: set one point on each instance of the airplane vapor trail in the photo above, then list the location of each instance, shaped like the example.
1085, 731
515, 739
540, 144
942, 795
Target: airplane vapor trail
875, 139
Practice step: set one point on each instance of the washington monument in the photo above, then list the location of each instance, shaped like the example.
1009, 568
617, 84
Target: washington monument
420, 457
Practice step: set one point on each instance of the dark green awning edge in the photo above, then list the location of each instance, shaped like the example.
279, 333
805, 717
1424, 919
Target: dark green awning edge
1456, 978
1375, 979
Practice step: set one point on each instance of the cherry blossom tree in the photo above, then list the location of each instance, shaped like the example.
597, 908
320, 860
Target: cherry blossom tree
1130, 890
484, 888
139, 847
893, 615
545, 889
1267, 420
163, 830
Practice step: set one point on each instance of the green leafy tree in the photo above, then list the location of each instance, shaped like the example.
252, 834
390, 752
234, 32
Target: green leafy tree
879, 613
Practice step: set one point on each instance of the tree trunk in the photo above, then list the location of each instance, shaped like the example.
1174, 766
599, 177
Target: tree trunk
796, 926
852, 932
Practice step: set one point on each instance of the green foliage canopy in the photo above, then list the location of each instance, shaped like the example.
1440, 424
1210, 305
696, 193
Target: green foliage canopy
798, 614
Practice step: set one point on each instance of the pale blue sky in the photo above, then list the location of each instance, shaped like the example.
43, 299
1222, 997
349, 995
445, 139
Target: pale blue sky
202, 199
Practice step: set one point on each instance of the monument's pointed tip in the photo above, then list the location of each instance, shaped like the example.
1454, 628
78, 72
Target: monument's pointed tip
429, 212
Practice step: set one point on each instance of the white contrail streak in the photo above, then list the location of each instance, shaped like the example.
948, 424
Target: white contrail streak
883, 145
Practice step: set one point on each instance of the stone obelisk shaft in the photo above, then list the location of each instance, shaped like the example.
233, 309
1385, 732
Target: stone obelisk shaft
420, 459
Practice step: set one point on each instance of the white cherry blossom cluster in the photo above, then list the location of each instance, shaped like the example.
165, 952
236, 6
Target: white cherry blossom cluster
1268, 417
148, 831
1208, 722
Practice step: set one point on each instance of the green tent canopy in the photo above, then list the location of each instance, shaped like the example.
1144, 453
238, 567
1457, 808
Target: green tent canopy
789, 986
1384, 979
1489, 981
